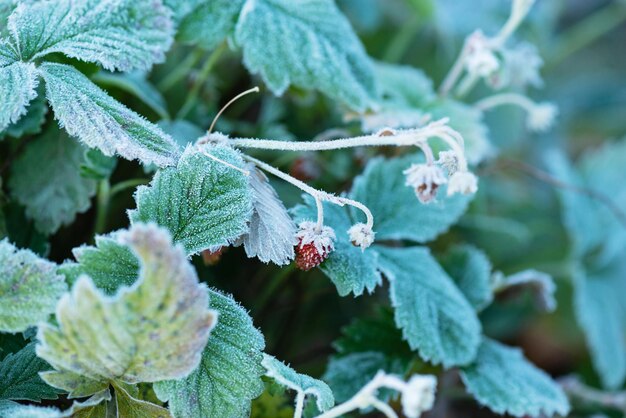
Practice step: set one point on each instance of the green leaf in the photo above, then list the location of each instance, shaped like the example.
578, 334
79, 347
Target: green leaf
136, 84
97, 165
309, 44
152, 331
398, 215
31, 123
433, 314
301, 383
46, 180
210, 22
404, 86
470, 269
91, 115
110, 264
229, 375
127, 406
29, 288
468, 121
8, 53
350, 269
272, 232
117, 34
18, 86
19, 377
348, 374
202, 202
505, 382
15, 410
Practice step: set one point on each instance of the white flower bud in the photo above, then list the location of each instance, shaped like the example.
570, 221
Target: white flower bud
322, 239
462, 182
541, 117
425, 179
418, 395
449, 161
480, 60
361, 235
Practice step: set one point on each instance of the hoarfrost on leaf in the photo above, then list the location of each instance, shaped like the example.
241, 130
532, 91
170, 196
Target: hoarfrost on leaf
29, 288
154, 330
308, 44
202, 202
18, 86
210, 22
470, 269
19, 377
229, 375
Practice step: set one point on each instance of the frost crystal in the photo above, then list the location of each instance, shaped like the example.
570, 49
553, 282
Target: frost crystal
462, 182
541, 117
425, 179
314, 244
449, 161
361, 235
480, 60
418, 395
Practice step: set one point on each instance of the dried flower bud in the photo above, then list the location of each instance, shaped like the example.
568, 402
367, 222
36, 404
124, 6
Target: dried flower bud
361, 235
449, 161
212, 256
541, 117
480, 60
425, 179
418, 395
462, 182
314, 245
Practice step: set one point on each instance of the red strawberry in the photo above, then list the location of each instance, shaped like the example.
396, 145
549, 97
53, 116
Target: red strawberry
314, 245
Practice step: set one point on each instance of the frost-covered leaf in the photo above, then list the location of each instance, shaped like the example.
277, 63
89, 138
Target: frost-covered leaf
309, 44
46, 180
435, 317
128, 406
31, 123
19, 377
301, 383
202, 202
348, 374
350, 269
29, 288
210, 22
155, 330
505, 382
97, 165
229, 375
15, 410
272, 234
136, 84
88, 113
468, 121
117, 34
110, 264
541, 284
601, 313
397, 212
470, 269
18, 86
402, 86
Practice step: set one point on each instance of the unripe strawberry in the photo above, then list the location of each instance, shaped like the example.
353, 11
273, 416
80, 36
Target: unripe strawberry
314, 245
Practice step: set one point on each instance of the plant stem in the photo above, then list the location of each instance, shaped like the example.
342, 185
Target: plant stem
102, 206
127, 184
192, 97
299, 405
587, 31
181, 71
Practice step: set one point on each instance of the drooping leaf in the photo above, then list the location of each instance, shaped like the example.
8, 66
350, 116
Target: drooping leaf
117, 34
152, 331
46, 180
272, 234
397, 213
110, 264
202, 202
349, 268
18, 86
505, 382
301, 383
348, 374
540, 284
468, 121
29, 288
128, 406
19, 377
136, 84
309, 44
433, 314
91, 115
470, 269
210, 22
229, 375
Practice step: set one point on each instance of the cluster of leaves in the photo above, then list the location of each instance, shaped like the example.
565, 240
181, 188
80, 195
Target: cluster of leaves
130, 329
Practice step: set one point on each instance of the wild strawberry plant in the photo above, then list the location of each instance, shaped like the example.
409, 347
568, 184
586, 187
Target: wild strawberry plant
167, 240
